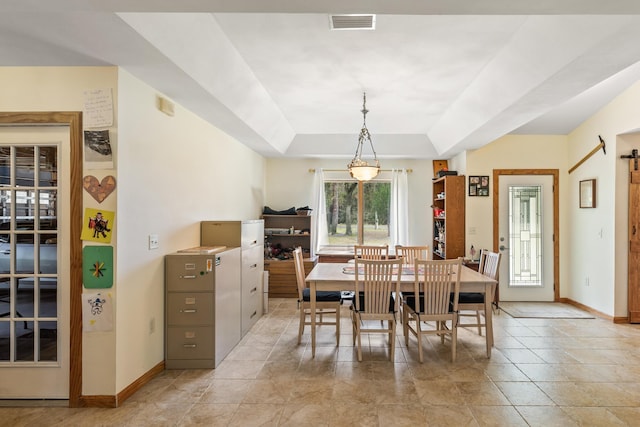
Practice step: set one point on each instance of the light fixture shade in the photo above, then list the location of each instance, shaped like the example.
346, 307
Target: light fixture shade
358, 168
364, 171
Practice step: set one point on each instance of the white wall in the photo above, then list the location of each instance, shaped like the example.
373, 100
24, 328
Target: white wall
173, 172
289, 183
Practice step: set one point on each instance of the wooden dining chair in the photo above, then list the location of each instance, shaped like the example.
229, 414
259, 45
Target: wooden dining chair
475, 302
435, 282
411, 253
371, 251
326, 301
376, 282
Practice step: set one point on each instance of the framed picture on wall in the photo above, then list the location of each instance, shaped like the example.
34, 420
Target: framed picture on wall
588, 193
479, 185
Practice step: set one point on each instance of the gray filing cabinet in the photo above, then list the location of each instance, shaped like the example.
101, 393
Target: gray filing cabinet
249, 235
203, 309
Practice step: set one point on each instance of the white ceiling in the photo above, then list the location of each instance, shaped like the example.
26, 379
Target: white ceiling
440, 76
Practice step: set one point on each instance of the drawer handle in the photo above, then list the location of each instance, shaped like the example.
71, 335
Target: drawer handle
254, 265
254, 242
254, 290
189, 345
253, 315
188, 277
190, 310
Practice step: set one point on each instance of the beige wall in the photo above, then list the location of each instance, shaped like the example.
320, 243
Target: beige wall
516, 152
599, 236
172, 172
62, 89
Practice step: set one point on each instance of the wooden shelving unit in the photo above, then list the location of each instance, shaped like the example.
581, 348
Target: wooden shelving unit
282, 274
448, 217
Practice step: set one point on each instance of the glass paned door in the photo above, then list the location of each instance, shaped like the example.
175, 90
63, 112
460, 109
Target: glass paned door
526, 237
33, 295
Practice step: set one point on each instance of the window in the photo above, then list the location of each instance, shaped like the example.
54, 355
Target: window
357, 212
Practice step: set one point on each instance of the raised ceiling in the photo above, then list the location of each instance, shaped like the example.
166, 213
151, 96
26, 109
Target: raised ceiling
440, 76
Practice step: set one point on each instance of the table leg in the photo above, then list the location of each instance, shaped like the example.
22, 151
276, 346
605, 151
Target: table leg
312, 300
488, 314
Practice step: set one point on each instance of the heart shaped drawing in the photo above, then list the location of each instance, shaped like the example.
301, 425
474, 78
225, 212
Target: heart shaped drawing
99, 190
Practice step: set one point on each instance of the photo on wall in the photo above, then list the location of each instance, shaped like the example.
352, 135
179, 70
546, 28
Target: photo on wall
479, 185
98, 225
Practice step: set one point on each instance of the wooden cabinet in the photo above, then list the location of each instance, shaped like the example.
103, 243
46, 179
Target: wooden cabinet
448, 217
634, 244
282, 277
283, 233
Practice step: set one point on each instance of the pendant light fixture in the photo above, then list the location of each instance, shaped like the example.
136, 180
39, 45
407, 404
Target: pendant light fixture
358, 168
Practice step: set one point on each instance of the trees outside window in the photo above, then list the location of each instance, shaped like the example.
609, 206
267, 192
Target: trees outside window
358, 212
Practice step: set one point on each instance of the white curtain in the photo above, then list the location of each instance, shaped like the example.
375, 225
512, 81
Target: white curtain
320, 232
399, 218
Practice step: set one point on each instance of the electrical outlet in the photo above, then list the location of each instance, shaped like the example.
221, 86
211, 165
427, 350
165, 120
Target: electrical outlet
153, 241
586, 281
152, 325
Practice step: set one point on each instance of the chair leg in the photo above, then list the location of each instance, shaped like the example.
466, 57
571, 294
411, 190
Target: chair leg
301, 327
392, 339
405, 327
478, 322
359, 344
419, 337
338, 326
454, 341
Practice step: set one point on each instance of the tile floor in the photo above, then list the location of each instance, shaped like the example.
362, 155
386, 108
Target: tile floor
543, 372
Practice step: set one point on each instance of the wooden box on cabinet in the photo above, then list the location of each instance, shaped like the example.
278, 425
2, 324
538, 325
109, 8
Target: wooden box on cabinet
448, 217
282, 277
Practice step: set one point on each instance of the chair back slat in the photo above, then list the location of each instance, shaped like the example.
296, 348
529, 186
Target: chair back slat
437, 280
299, 267
411, 253
377, 280
371, 252
490, 264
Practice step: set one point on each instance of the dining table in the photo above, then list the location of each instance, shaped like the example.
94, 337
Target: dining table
327, 276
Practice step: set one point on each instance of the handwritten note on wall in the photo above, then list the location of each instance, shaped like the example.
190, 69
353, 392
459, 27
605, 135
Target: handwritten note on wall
98, 108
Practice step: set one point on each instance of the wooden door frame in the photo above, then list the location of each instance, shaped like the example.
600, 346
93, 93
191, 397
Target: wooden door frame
555, 173
73, 119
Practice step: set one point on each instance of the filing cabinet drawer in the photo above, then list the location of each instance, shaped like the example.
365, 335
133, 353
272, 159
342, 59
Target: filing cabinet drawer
190, 342
190, 274
252, 233
190, 308
251, 310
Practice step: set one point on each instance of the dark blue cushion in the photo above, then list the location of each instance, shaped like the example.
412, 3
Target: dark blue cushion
410, 300
322, 295
392, 305
470, 298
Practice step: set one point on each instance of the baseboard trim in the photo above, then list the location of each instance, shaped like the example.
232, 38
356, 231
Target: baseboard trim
587, 309
106, 401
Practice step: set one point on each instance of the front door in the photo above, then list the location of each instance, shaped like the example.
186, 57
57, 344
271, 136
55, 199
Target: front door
526, 224
34, 262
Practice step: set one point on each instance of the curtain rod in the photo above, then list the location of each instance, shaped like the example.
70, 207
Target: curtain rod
347, 170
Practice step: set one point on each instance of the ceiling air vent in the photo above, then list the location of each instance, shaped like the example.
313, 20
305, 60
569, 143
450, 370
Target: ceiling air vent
353, 22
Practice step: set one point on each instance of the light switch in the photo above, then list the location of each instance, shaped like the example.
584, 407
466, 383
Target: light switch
153, 241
